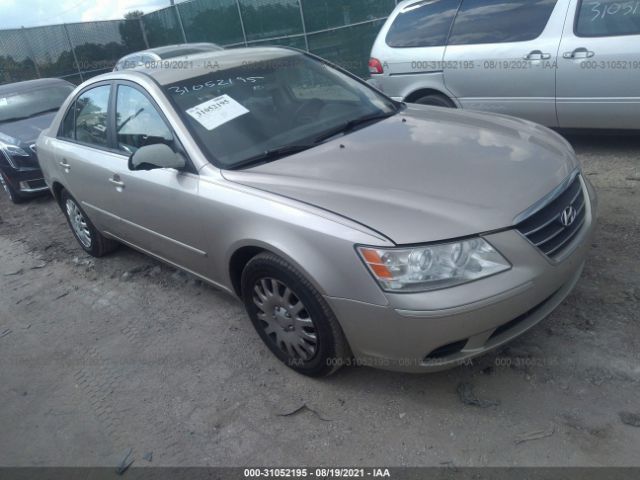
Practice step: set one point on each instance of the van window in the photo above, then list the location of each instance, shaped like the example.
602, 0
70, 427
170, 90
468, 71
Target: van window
423, 24
500, 21
608, 18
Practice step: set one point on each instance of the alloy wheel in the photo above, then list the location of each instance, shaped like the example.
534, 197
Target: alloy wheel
78, 223
285, 319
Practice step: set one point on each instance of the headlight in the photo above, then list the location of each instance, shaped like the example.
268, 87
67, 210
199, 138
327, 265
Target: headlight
433, 267
12, 153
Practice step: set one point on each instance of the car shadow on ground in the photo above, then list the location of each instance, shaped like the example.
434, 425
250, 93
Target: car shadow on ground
615, 142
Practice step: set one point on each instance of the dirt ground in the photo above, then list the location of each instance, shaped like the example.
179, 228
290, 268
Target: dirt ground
99, 356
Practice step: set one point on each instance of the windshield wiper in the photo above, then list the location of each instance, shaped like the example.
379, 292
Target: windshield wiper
129, 118
352, 124
15, 119
271, 155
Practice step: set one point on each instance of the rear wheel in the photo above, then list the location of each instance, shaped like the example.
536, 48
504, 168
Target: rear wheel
291, 317
11, 192
91, 241
436, 100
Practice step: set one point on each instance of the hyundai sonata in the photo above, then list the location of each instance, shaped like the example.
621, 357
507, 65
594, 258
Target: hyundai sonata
355, 229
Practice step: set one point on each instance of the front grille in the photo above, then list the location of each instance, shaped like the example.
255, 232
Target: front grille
545, 228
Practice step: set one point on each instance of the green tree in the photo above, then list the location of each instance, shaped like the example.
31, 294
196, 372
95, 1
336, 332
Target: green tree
131, 31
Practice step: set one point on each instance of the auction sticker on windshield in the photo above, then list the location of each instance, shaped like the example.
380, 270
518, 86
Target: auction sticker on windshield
217, 111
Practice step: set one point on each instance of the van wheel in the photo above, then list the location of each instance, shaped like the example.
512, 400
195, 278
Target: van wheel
91, 241
436, 100
291, 317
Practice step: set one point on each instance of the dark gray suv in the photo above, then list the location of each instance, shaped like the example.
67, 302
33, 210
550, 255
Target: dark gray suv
26, 108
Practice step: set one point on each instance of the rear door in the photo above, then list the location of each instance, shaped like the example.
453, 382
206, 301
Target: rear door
415, 39
501, 57
599, 65
85, 161
159, 208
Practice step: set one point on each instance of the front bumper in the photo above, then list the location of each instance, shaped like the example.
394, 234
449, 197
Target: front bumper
434, 331
26, 181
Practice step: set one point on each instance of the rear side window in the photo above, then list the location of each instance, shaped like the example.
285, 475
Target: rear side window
500, 21
608, 18
91, 116
423, 24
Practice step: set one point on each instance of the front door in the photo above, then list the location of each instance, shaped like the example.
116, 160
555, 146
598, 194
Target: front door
599, 65
159, 208
501, 57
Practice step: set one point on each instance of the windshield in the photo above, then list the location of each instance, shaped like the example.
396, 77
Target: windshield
239, 113
30, 103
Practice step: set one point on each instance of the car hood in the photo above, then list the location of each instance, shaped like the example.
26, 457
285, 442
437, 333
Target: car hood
26, 131
426, 174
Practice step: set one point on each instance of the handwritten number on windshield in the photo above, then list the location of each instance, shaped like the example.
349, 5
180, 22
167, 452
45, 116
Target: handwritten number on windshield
226, 82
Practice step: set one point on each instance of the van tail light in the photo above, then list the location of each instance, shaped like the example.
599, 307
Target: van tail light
375, 67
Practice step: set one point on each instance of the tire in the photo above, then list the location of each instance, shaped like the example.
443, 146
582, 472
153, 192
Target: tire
301, 330
436, 100
91, 241
11, 192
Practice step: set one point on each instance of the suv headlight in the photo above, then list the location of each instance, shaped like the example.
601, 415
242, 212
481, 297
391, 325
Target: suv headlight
433, 267
13, 153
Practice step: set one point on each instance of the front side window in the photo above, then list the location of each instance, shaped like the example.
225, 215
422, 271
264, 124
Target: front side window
423, 24
91, 116
608, 18
241, 110
138, 123
500, 21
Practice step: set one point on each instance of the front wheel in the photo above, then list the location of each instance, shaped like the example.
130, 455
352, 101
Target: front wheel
11, 192
89, 238
291, 317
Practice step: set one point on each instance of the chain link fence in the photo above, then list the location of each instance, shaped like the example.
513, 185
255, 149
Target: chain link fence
341, 31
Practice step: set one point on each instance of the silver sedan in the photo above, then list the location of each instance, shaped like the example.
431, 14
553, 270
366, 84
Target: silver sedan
355, 229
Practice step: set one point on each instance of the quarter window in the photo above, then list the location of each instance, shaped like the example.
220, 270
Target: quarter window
607, 18
138, 123
423, 24
91, 116
500, 21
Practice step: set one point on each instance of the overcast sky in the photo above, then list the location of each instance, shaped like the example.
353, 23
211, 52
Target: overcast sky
29, 13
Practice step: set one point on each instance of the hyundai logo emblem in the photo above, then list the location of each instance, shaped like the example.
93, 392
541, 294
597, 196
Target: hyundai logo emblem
568, 216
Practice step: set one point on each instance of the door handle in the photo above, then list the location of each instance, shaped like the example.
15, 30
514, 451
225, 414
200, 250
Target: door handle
537, 55
579, 53
65, 165
115, 180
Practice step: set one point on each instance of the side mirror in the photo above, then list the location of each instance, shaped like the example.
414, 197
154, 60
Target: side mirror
155, 156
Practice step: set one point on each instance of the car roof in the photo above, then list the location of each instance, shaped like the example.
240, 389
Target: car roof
27, 85
206, 62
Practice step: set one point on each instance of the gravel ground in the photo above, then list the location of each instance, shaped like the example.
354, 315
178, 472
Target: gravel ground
101, 355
